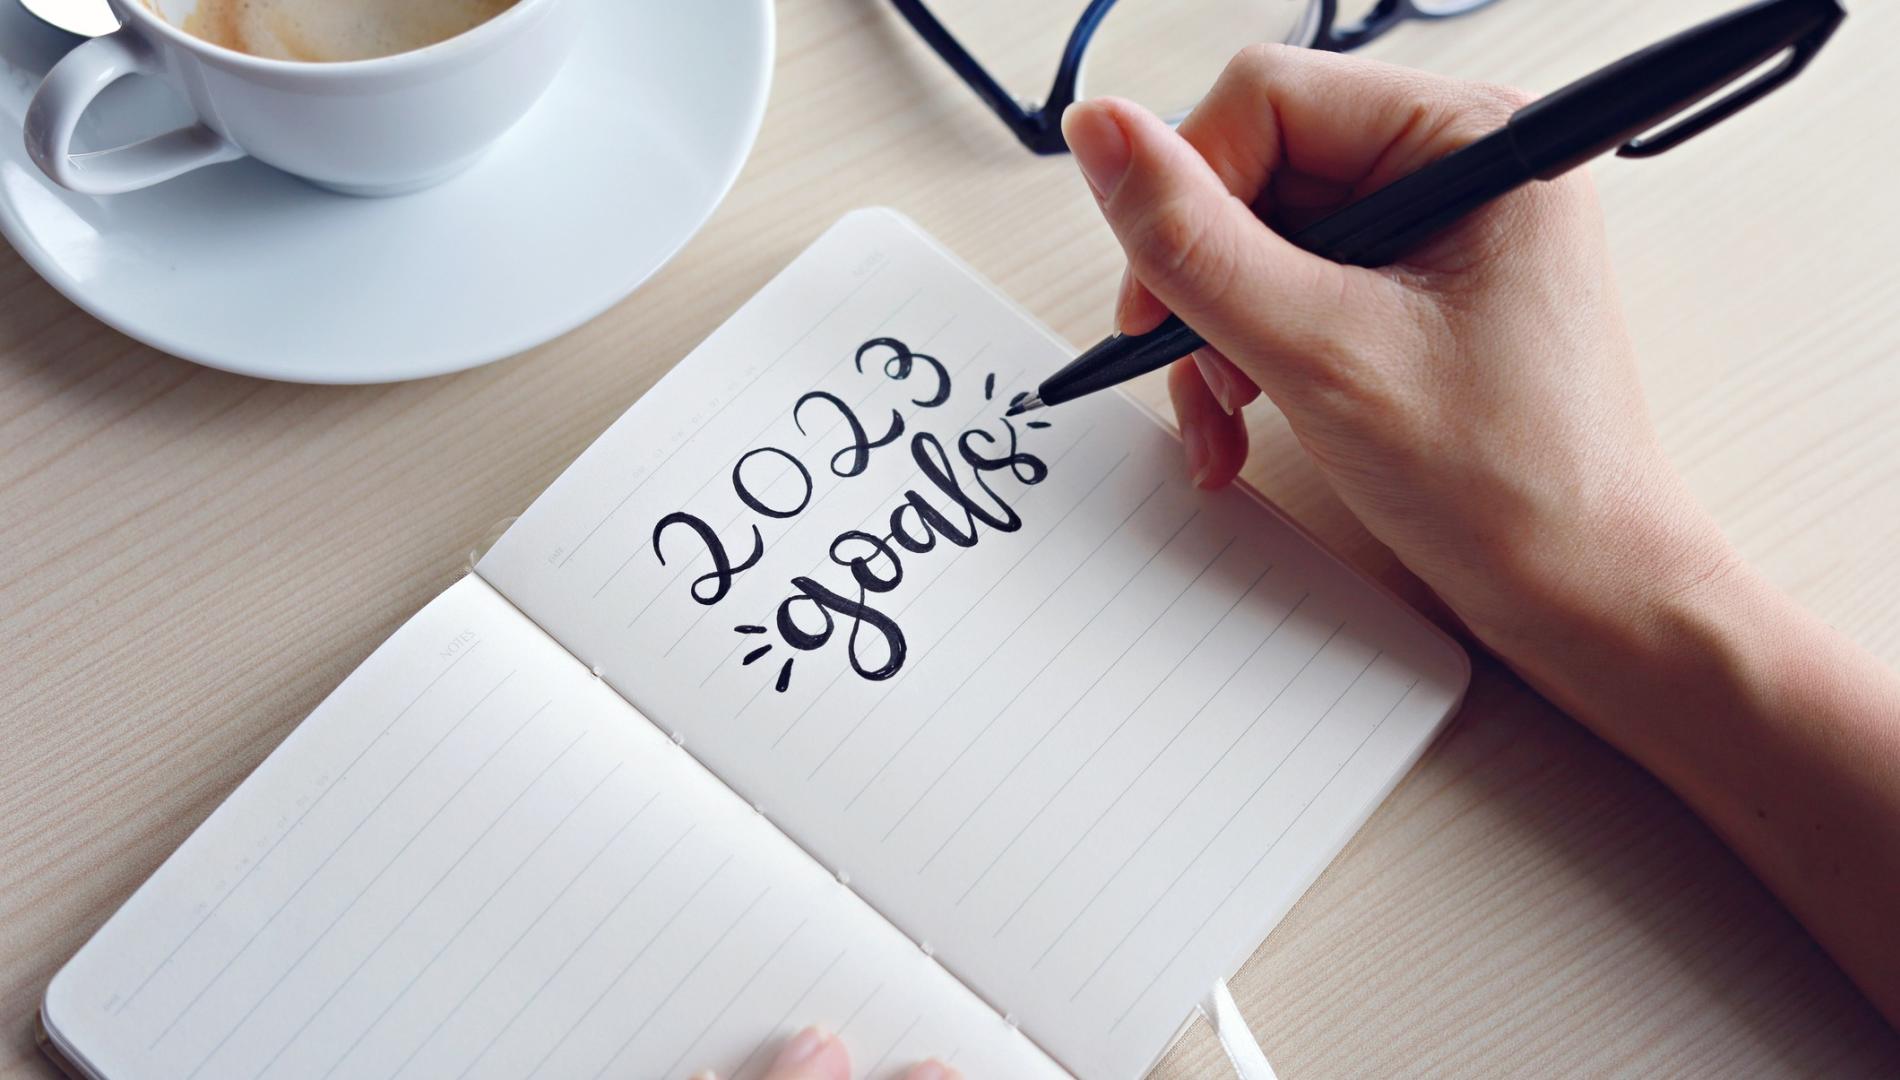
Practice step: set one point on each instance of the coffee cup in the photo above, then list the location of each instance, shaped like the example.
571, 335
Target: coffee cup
380, 126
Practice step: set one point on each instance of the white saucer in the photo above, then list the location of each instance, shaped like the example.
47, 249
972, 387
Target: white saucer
244, 268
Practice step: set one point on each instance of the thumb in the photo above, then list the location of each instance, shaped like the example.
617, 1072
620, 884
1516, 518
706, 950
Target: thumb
1278, 312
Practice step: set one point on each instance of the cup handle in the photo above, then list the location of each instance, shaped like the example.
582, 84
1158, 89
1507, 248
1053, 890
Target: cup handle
69, 89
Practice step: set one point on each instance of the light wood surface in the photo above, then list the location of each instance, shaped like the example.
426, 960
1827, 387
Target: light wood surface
190, 561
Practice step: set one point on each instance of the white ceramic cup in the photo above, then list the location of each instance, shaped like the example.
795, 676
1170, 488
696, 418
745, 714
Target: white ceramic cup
383, 126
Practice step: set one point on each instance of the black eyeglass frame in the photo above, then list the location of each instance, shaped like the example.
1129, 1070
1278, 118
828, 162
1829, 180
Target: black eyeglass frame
1039, 127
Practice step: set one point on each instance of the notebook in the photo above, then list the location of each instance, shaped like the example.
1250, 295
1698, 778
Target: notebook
815, 691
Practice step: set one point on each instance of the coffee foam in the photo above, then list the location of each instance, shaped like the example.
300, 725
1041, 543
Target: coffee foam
332, 30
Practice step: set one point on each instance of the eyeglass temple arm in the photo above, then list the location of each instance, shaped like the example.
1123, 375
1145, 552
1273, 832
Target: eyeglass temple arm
1030, 128
1384, 16
1335, 38
1062, 92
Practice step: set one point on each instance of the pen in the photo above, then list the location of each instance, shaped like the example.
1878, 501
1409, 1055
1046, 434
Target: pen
1547, 138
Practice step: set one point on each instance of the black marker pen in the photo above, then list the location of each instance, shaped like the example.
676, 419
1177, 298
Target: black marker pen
1542, 141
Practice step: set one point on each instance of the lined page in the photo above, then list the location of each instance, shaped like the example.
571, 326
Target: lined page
474, 860
1083, 729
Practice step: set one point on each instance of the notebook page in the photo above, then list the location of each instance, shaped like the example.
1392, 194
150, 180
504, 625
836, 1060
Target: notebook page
1085, 730
474, 860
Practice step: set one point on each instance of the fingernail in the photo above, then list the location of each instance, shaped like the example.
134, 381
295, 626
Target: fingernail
1099, 145
704, 1074
1220, 382
1121, 294
929, 1070
803, 1047
1199, 456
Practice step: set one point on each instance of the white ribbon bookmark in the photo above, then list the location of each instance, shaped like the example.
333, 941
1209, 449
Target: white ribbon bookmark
1236, 1039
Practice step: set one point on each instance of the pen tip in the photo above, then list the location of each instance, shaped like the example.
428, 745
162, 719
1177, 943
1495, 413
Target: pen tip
1023, 403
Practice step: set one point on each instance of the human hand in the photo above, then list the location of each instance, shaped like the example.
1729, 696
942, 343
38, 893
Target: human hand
813, 1054
1476, 405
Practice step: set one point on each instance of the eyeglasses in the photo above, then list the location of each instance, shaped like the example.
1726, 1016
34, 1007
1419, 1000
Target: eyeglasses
1162, 53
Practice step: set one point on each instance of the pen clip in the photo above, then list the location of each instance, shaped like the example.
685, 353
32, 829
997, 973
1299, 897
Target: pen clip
1798, 57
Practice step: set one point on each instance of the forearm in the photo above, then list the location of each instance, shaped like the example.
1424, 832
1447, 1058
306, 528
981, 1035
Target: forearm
1780, 733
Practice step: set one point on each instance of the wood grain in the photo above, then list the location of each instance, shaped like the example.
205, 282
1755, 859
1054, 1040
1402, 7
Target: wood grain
189, 560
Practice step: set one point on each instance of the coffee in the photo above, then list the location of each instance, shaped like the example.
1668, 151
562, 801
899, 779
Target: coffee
328, 30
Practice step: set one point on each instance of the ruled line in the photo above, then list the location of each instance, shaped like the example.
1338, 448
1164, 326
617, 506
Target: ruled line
843, 355
1222, 831
456, 934
784, 470
311, 1015
615, 981
1212, 764
928, 585
314, 803
919, 729
692, 969
746, 984
892, 1049
868, 998
992, 653
1251, 870
772, 484
439, 881
797, 1003
1074, 705
351, 835
741, 392
997, 715
767, 426
914, 472
1123, 794
742, 643
536, 922
1046, 665
838, 482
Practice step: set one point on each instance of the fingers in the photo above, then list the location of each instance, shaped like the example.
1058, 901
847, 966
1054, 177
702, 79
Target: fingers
932, 1070
1298, 133
1136, 309
1336, 123
1205, 256
811, 1054
1215, 439
1229, 385
1289, 133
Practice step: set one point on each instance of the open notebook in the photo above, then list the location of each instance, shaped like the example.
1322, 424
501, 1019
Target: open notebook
814, 692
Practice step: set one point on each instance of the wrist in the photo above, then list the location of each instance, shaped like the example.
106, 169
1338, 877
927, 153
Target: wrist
1622, 610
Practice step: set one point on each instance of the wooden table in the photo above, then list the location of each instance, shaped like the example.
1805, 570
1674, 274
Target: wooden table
190, 561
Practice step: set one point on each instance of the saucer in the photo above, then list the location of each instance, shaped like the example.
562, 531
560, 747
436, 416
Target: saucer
245, 268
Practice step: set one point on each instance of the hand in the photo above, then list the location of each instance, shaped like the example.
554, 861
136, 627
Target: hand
813, 1054
1476, 406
